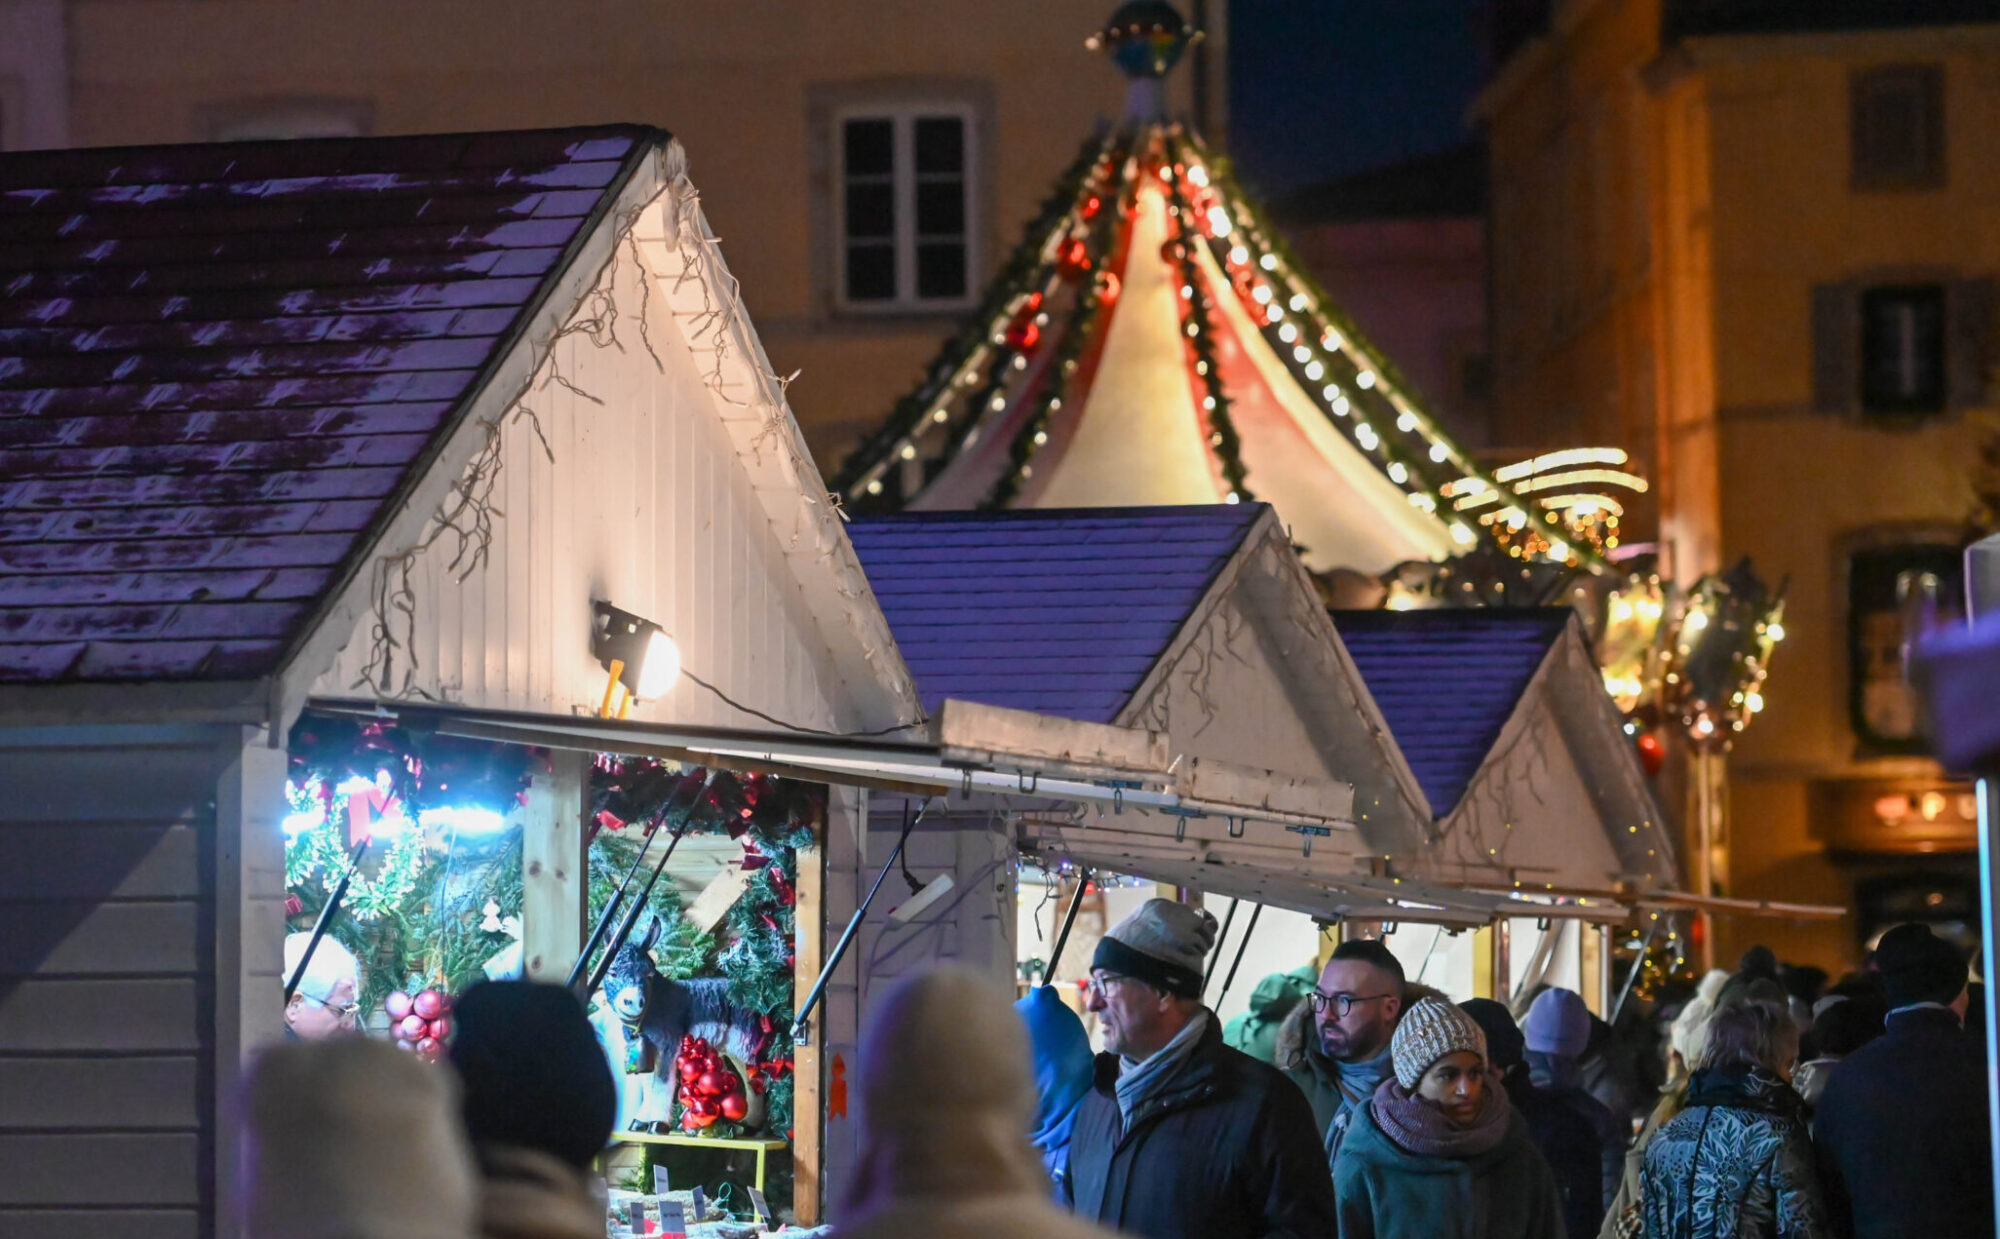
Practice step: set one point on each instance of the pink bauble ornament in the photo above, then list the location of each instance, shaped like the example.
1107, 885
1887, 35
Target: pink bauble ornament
412, 1027
397, 1005
441, 1027
403, 1043
430, 1004
429, 1045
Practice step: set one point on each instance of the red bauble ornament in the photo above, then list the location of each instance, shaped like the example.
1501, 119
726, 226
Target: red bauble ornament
430, 1004
397, 1004
1023, 336
1072, 260
710, 1084
1091, 206
441, 1027
689, 1122
734, 1107
1652, 754
413, 1027
689, 1070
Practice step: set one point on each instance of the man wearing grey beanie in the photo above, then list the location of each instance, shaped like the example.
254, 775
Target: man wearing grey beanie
1181, 1136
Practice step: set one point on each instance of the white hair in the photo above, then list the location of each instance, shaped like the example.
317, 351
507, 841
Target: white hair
331, 964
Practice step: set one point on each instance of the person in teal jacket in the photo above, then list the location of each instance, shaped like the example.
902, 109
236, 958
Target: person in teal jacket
1255, 1032
1439, 1152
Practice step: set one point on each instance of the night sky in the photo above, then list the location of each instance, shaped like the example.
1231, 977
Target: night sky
1323, 88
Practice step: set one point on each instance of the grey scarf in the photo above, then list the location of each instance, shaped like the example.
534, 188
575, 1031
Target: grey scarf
1140, 1080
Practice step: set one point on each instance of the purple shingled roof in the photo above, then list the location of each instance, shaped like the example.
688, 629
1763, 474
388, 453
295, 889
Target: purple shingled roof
1058, 611
220, 366
1447, 681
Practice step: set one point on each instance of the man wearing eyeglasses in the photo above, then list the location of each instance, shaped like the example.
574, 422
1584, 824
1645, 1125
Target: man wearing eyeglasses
1335, 1047
327, 1001
1180, 1136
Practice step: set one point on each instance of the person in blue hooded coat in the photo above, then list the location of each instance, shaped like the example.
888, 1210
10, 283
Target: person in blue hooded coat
1064, 1069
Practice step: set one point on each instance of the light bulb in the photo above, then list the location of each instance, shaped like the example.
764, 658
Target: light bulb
662, 667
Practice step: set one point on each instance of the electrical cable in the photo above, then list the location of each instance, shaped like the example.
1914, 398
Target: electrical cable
731, 702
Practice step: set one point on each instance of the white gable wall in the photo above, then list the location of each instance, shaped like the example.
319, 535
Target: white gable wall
1528, 814
642, 496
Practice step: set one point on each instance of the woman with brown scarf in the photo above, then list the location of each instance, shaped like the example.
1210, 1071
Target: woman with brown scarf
1439, 1152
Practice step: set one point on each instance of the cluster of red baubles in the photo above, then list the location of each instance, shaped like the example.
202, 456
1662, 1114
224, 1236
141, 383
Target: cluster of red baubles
420, 1024
711, 1087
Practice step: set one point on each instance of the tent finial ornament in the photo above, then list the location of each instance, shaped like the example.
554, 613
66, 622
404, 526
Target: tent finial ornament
1145, 38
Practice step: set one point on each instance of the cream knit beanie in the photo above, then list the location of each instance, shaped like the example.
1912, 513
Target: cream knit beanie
351, 1139
1429, 1030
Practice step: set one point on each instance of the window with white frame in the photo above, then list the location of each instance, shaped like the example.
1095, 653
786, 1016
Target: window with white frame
904, 209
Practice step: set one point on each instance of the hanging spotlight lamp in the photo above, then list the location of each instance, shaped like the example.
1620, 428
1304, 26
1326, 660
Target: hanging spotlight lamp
638, 654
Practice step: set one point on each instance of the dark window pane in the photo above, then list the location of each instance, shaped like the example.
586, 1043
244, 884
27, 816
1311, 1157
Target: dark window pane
1903, 349
871, 273
1898, 127
871, 209
940, 271
941, 208
868, 147
940, 144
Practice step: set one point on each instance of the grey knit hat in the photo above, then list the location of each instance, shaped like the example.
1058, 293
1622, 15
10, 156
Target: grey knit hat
1163, 944
1429, 1030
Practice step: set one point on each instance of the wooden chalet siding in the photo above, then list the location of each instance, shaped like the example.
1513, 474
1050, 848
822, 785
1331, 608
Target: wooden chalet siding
107, 949
640, 498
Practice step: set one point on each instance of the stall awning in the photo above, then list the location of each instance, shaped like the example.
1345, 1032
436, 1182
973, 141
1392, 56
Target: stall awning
1329, 882
967, 748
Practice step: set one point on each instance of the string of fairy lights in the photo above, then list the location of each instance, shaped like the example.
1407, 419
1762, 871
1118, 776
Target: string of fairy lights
1082, 261
1199, 335
1361, 396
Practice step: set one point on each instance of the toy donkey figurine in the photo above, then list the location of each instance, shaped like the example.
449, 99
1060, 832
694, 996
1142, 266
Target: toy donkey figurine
645, 1016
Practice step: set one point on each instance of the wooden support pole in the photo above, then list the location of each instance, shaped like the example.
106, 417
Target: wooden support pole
555, 875
808, 1104
1484, 956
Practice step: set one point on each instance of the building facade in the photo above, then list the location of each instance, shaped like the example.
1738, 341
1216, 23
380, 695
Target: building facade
875, 159
1756, 244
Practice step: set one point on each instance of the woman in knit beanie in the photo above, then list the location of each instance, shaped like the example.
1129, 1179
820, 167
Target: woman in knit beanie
1440, 1150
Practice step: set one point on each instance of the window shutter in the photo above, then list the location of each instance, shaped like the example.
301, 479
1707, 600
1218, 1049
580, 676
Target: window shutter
1836, 380
1969, 347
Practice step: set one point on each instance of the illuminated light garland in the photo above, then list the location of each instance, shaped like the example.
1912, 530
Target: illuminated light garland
1223, 439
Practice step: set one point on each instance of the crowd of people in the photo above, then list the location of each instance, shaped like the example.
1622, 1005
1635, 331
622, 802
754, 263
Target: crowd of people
1763, 1103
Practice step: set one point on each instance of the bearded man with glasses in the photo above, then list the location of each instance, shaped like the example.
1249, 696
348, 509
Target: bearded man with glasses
1180, 1136
1335, 1047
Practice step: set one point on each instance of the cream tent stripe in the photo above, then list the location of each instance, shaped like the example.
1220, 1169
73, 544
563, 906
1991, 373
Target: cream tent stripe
1338, 504
1138, 440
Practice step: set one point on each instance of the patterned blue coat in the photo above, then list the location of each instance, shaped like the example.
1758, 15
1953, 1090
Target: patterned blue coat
1736, 1163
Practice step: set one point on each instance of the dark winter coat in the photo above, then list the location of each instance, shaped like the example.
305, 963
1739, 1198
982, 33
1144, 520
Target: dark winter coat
1387, 1192
1902, 1136
1582, 1140
1736, 1163
1225, 1149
